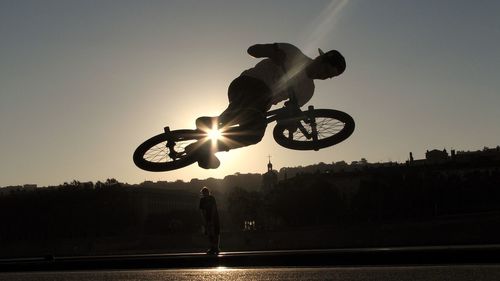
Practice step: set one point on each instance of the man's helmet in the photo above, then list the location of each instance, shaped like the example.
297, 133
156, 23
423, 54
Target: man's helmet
334, 58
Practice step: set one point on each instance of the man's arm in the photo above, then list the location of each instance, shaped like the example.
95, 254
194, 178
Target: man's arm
203, 223
272, 51
263, 50
203, 211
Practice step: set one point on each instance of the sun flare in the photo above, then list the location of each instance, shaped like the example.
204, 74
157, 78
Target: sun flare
214, 134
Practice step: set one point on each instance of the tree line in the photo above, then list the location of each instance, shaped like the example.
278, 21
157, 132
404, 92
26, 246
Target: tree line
91, 212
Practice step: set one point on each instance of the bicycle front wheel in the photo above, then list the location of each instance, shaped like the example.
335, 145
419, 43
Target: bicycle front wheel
318, 129
165, 152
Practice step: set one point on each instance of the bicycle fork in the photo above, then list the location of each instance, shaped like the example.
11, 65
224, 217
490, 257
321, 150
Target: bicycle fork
170, 144
311, 120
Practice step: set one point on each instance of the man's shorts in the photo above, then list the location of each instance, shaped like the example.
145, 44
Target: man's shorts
249, 92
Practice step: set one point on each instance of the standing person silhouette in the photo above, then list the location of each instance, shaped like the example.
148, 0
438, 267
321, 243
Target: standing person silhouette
210, 217
284, 69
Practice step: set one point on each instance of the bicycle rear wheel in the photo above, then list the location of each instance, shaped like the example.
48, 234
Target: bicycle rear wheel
166, 151
318, 129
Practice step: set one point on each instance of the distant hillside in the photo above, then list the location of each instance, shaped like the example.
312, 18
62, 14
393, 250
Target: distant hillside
250, 182
290, 172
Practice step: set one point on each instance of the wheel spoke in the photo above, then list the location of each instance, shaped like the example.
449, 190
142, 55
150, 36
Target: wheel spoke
326, 127
330, 127
160, 152
166, 151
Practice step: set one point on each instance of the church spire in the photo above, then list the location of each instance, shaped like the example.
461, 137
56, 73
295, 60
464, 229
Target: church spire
269, 165
270, 178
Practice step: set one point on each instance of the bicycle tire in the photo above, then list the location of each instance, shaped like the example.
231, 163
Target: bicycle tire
334, 126
153, 154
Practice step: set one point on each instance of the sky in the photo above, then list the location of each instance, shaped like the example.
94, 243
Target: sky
83, 83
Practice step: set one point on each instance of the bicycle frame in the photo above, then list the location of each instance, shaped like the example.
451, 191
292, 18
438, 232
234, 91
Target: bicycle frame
284, 113
290, 113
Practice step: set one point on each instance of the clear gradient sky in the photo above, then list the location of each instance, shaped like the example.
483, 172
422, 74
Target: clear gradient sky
82, 83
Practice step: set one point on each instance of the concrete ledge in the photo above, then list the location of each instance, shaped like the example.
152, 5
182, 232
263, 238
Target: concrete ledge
478, 254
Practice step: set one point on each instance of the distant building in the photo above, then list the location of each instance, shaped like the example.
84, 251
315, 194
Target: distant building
30, 187
436, 156
270, 178
489, 154
17, 188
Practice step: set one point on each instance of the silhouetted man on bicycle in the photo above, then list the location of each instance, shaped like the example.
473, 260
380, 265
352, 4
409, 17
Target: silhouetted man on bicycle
284, 70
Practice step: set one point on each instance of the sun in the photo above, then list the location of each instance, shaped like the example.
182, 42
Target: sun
214, 133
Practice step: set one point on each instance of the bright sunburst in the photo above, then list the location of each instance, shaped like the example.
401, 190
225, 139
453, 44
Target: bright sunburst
214, 133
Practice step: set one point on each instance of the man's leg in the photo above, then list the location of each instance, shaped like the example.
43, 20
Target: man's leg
213, 239
204, 149
247, 133
243, 122
214, 243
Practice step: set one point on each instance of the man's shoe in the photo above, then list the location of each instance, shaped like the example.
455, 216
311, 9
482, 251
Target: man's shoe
205, 157
205, 122
208, 161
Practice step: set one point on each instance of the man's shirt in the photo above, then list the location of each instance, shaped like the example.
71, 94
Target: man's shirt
295, 78
209, 206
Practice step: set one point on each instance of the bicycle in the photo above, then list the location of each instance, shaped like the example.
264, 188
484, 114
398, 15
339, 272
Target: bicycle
311, 129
